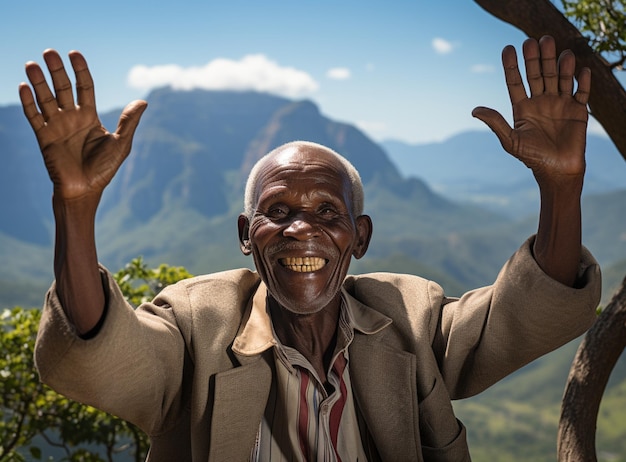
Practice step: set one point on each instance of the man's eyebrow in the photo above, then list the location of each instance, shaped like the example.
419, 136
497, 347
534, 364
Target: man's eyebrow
280, 192
326, 195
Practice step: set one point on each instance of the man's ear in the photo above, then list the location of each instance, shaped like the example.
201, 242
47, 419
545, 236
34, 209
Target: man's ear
364, 229
243, 224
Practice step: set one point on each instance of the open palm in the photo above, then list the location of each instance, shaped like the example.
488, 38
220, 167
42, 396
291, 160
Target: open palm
549, 135
81, 156
550, 126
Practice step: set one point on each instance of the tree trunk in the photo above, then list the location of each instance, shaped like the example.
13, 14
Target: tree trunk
592, 366
605, 341
607, 101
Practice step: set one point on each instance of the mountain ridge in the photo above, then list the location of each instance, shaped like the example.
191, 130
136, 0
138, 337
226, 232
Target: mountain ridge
177, 197
190, 158
472, 167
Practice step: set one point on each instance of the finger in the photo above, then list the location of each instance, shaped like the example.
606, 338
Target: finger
567, 63
30, 109
45, 99
60, 80
85, 94
548, 65
533, 66
129, 120
514, 83
584, 86
497, 124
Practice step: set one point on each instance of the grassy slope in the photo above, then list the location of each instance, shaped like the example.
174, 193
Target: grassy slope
517, 419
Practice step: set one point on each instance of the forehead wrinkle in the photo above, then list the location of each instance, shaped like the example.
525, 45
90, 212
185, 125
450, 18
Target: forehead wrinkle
282, 174
275, 195
325, 166
282, 191
303, 159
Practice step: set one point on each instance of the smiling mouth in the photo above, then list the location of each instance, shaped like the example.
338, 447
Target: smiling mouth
303, 264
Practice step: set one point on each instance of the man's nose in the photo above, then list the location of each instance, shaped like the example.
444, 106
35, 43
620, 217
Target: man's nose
301, 228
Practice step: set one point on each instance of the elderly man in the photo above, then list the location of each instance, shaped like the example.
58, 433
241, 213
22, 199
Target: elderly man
298, 361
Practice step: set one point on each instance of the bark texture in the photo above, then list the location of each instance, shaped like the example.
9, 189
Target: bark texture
589, 374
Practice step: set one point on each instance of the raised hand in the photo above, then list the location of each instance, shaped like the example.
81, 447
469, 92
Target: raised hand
549, 132
81, 157
80, 154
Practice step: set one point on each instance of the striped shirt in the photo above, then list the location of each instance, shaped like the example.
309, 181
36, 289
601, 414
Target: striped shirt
303, 420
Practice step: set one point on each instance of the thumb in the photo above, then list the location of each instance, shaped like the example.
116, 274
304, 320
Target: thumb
497, 124
129, 120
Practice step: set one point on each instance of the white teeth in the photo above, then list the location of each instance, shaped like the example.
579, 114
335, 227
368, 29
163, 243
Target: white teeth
303, 264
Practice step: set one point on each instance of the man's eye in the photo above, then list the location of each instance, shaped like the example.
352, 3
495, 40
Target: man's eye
277, 212
327, 211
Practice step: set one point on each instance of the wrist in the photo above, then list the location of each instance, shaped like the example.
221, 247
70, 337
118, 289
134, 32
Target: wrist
557, 247
83, 207
566, 186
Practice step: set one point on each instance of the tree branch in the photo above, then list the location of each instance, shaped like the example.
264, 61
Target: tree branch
592, 366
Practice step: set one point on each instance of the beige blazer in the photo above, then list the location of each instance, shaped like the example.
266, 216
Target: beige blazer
169, 367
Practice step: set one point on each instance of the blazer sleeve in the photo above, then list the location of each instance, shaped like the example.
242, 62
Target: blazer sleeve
490, 332
126, 369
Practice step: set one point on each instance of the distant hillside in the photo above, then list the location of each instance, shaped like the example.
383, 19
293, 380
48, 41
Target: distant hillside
604, 226
195, 148
612, 279
24, 184
25, 272
177, 197
517, 419
473, 167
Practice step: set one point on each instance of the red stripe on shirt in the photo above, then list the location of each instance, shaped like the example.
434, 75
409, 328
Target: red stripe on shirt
303, 416
337, 410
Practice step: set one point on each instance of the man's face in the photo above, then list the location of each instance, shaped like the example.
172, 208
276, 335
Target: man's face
303, 233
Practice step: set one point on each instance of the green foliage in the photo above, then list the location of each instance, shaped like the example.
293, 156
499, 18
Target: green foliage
19, 387
604, 21
29, 408
140, 284
34, 418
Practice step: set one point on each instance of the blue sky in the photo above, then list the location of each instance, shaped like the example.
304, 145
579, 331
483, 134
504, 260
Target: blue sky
408, 70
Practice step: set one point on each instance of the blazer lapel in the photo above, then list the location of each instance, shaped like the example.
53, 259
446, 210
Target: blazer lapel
240, 398
384, 386
241, 393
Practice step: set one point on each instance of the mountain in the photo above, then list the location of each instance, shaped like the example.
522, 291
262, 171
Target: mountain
177, 197
472, 167
24, 183
190, 144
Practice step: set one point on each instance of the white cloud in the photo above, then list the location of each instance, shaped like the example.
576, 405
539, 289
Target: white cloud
482, 68
338, 73
252, 72
442, 46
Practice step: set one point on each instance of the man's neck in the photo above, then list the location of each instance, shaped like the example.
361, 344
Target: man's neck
312, 335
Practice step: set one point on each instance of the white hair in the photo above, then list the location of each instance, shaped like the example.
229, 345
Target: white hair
356, 185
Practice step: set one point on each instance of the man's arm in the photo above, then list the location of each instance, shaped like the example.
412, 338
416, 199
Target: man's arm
81, 157
549, 136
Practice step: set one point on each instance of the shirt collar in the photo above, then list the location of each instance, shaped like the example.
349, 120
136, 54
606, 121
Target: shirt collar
256, 335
